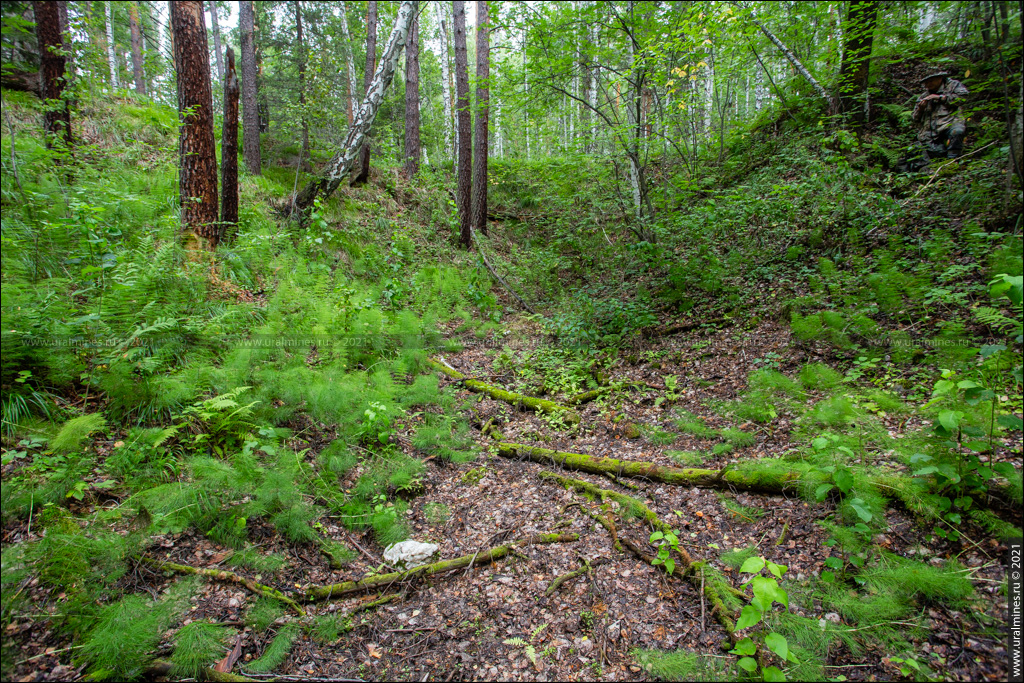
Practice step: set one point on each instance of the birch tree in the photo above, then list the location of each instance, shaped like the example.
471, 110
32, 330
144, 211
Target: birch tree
412, 97
111, 60
340, 165
349, 66
446, 79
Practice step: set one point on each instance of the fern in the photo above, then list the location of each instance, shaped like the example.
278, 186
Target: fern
197, 646
277, 651
997, 320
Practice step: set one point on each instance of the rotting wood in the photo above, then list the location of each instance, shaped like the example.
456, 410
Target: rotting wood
381, 580
161, 668
521, 400
494, 273
221, 575
701, 478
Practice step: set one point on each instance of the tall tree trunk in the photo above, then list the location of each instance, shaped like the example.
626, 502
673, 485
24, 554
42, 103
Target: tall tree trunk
215, 26
197, 173
53, 71
853, 73
412, 97
137, 63
371, 62
340, 165
304, 153
260, 20
463, 142
250, 96
483, 76
350, 67
66, 38
229, 147
446, 81
111, 61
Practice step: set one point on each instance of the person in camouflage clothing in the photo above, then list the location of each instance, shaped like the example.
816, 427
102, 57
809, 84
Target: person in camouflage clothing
941, 128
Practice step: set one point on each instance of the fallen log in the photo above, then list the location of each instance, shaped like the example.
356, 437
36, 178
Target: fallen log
382, 580
539, 405
587, 567
221, 575
760, 482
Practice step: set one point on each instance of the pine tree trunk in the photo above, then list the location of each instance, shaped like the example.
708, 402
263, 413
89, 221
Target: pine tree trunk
52, 71
197, 152
446, 82
352, 88
304, 153
111, 62
250, 95
853, 74
340, 165
229, 147
371, 63
412, 97
137, 63
464, 142
483, 75
215, 25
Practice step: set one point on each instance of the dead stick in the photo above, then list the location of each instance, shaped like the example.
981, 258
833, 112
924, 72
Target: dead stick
221, 575
373, 582
569, 576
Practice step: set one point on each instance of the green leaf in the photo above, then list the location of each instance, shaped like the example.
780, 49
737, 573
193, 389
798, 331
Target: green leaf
819, 443
861, 511
1011, 422
821, 492
745, 647
753, 565
828, 577
950, 419
772, 673
748, 664
749, 616
833, 563
843, 479
777, 569
777, 643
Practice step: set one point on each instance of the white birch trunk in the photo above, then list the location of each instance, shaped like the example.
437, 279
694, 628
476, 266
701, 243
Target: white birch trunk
340, 165
111, 60
353, 89
801, 69
499, 135
446, 81
709, 93
526, 89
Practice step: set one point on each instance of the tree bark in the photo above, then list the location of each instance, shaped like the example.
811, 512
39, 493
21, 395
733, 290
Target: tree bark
250, 95
215, 25
229, 147
197, 172
463, 138
304, 153
340, 165
111, 62
412, 97
349, 65
137, 64
53, 71
801, 69
446, 82
483, 75
371, 61
853, 73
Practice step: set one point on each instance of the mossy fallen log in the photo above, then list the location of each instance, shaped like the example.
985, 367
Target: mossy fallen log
384, 580
760, 482
533, 403
221, 575
161, 668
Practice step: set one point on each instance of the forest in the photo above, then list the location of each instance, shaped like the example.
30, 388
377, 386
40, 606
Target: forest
589, 340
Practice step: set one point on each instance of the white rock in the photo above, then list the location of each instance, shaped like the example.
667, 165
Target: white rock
410, 553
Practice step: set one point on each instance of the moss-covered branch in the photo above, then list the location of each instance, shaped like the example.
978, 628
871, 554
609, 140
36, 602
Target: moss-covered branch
383, 580
569, 576
161, 668
762, 482
539, 405
221, 575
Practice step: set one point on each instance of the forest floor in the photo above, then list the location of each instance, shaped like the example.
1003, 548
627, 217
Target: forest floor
456, 626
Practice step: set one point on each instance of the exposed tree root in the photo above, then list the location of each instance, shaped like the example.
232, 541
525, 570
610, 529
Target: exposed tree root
383, 580
686, 567
569, 576
767, 482
221, 575
539, 405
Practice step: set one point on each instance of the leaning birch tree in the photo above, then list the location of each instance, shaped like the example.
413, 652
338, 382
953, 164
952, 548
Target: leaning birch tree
340, 165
